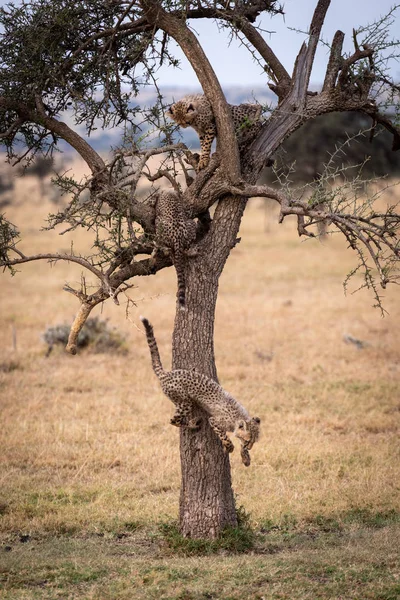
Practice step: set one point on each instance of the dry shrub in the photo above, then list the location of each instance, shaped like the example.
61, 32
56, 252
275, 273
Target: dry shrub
95, 335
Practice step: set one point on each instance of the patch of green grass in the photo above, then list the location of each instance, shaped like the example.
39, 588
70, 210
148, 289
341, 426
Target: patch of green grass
70, 573
120, 529
326, 524
363, 564
61, 575
130, 526
287, 522
336, 523
391, 592
62, 497
41, 504
358, 387
319, 531
370, 518
232, 539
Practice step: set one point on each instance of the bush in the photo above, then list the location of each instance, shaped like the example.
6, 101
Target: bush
95, 334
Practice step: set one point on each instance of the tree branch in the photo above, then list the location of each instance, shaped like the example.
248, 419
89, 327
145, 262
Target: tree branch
335, 61
164, 173
355, 57
375, 231
282, 77
51, 257
80, 319
378, 117
39, 116
305, 58
12, 129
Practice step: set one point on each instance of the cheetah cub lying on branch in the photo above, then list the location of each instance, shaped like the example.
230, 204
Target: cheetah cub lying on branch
195, 111
186, 388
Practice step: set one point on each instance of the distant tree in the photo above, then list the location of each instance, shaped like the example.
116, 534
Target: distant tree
6, 184
6, 188
90, 59
307, 151
41, 167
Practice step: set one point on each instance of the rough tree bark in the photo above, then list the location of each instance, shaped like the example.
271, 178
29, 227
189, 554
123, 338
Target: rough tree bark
206, 500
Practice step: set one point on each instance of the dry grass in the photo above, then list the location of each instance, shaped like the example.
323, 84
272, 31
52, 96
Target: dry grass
86, 444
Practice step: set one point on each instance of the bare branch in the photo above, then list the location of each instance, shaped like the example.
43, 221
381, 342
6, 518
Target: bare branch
282, 77
378, 117
315, 31
335, 61
76, 327
254, 191
132, 178
164, 173
356, 56
51, 257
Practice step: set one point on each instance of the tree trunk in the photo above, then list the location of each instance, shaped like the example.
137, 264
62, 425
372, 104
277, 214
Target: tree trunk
207, 501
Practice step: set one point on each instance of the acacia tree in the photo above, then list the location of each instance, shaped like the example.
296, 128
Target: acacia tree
68, 66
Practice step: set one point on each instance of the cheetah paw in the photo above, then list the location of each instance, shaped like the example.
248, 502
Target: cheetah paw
195, 424
228, 447
245, 455
203, 162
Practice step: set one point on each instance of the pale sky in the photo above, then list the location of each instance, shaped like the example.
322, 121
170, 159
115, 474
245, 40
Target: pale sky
235, 66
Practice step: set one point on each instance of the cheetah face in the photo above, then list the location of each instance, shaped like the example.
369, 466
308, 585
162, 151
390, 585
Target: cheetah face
248, 432
183, 113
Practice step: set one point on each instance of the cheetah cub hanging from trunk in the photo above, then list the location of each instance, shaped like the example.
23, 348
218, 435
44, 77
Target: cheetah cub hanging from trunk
175, 231
195, 111
186, 388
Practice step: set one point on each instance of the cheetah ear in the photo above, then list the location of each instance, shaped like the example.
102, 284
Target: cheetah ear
190, 108
170, 110
241, 425
257, 420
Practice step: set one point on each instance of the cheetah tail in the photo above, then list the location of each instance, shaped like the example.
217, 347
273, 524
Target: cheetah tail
151, 340
179, 263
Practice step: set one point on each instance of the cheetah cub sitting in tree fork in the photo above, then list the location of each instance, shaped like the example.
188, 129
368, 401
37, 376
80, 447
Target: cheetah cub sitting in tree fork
195, 111
175, 231
186, 388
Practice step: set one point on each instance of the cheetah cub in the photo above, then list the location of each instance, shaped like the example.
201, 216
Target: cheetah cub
195, 111
186, 388
175, 231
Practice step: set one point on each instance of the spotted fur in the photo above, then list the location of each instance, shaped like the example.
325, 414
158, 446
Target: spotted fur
186, 388
195, 111
174, 230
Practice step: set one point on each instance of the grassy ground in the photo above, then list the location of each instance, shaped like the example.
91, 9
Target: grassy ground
89, 466
321, 560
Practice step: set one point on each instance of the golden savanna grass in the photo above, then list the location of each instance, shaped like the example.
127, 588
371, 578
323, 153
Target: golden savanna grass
86, 445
